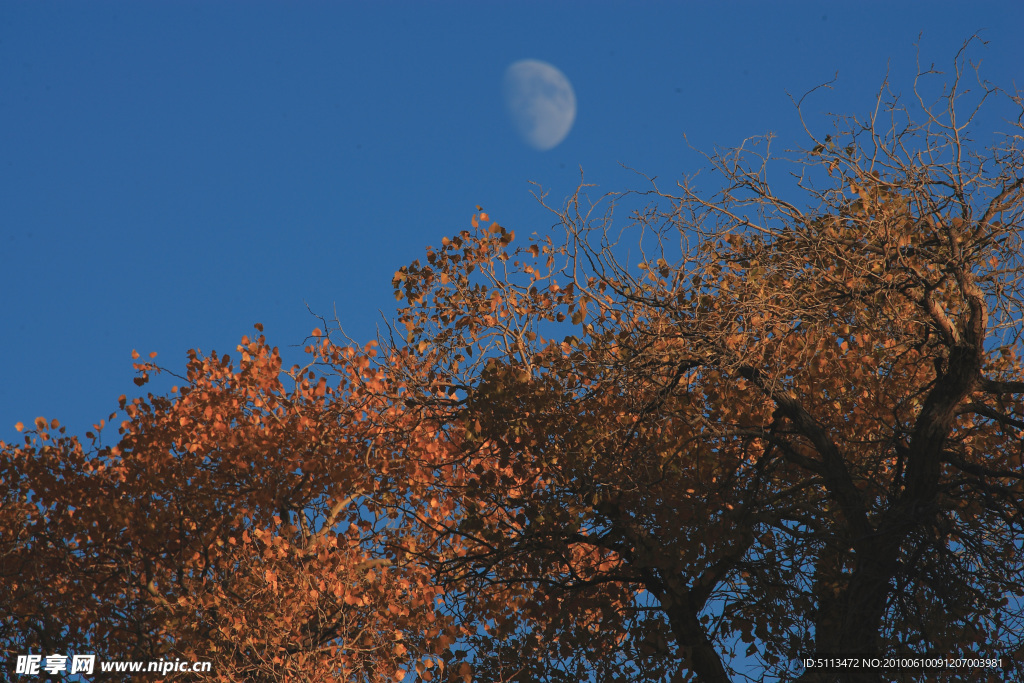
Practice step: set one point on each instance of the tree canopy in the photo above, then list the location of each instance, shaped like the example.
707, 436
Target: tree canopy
734, 430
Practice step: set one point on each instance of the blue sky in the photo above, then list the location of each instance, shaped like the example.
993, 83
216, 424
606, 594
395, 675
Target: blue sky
172, 173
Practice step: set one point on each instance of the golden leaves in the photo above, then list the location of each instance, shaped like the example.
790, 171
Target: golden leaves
204, 470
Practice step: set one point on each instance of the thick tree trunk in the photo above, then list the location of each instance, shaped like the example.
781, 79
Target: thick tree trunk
703, 658
854, 630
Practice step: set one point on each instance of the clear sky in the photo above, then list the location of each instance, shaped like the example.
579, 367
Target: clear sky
173, 172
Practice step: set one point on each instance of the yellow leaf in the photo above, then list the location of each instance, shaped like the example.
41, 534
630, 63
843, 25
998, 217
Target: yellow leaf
19, 426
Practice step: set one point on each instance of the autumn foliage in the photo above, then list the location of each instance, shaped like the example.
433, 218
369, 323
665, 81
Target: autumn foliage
736, 431
235, 521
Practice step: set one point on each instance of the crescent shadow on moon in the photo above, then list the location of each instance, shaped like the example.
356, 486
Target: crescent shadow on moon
540, 102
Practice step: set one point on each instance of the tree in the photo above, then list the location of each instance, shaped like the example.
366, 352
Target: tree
236, 521
795, 427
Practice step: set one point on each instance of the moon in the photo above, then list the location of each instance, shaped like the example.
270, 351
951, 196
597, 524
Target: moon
540, 102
